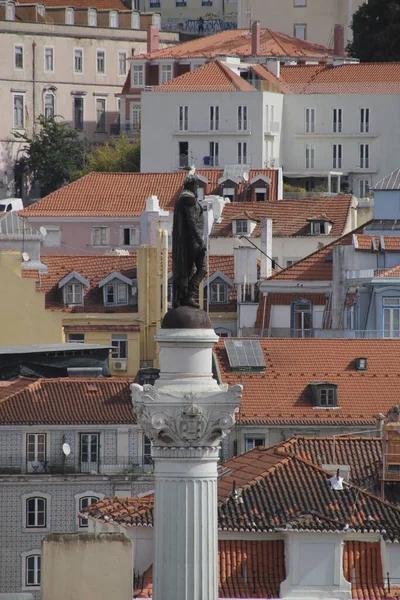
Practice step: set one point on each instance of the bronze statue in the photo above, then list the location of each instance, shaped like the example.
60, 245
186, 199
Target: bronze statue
189, 265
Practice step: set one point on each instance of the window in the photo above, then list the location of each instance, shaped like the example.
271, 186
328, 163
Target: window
89, 448
100, 115
242, 118
83, 504
32, 570
391, 317
222, 332
155, 4
113, 18
92, 17
52, 237
242, 153
364, 188
218, 292
214, 118
18, 58
147, 460
241, 227
364, 120
100, 62
100, 236
135, 20
19, 111
122, 64
364, 156
35, 452
49, 60
119, 343
78, 113
318, 228
74, 294
180, 3
116, 293
301, 318
337, 156
253, 442
300, 31
327, 397
337, 120
183, 114
310, 120
310, 156
131, 236
165, 73
41, 11
49, 102
78, 60
76, 338
214, 154
69, 16
137, 75
36, 512
136, 112
10, 11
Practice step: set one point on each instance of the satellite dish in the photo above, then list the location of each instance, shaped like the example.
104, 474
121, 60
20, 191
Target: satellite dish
43, 230
66, 448
26, 257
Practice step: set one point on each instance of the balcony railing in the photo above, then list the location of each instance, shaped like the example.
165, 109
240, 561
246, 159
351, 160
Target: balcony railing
287, 332
183, 127
16, 465
370, 273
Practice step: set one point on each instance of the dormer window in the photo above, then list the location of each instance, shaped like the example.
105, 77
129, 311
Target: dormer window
118, 290
361, 364
10, 11
324, 395
92, 17
320, 225
73, 288
218, 292
113, 18
69, 16
229, 192
261, 186
40, 10
116, 293
135, 20
241, 227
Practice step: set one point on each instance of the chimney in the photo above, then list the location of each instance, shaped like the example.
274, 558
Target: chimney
266, 248
255, 38
380, 422
153, 39
274, 66
338, 44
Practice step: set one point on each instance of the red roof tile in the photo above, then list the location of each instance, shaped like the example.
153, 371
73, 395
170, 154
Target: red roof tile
270, 82
69, 402
281, 394
83, 4
212, 77
238, 43
290, 217
124, 194
362, 565
364, 78
363, 241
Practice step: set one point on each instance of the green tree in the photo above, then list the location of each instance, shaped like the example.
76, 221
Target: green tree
54, 154
114, 156
376, 31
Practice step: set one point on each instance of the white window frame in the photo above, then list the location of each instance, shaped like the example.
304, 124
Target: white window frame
364, 188
25, 557
122, 56
244, 227
99, 52
74, 112
137, 75
35, 460
214, 117
135, 20
103, 102
183, 117
250, 441
310, 120
69, 16
116, 339
90, 465
390, 305
310, 156
81, 52
242, 153
117, 287
48, 52
103, 234
318, 228
146, 456
21, 47
38, 495
337, 156
365, 123
87, 498
52, 95
220, 289
134, 233
337, 120
166, 73
72, 334
74, 294
300, 27
364, 154
10, 11
136, 116
242, 118
113, 18
329, 397
214, 154
92, 17
18, 125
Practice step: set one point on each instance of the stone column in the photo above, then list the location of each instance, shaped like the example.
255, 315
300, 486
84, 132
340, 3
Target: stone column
186, 414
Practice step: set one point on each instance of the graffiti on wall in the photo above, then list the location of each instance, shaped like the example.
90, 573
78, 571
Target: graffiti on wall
204, 26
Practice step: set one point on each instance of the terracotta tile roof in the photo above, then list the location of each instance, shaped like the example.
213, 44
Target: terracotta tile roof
237, 42
271, 83
12, 386
363, 78
281, 299
94, 268
276, 492
281, 394
212, 77
362, 561
124, 194
290, 217
83, 4
363, 241
69, 401
392, 272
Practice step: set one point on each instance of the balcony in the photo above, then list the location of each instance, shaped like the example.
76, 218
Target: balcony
371, 273
13, 465
272, 128
217, 128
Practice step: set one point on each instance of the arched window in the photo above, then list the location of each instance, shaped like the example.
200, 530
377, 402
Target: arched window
49, 105
84, 502
32, 570
36, 512
301, 318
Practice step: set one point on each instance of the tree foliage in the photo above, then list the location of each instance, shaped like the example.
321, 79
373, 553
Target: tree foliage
114, 156
376, 31
54, 154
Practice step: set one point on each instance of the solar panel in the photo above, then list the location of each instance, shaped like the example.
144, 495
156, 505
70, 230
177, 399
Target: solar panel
245, 354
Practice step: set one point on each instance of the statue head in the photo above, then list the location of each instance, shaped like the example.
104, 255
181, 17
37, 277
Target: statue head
191, 183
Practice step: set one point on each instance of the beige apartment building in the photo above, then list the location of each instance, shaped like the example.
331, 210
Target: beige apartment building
312, 20
70, 62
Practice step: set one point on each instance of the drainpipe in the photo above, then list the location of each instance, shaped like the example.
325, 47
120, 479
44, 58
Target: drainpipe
33, 87
164, 271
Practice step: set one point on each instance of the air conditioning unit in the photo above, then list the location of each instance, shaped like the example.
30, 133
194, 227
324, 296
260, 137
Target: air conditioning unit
119, 365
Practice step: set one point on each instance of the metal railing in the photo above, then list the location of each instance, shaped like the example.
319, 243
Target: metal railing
370, 273
13, 465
